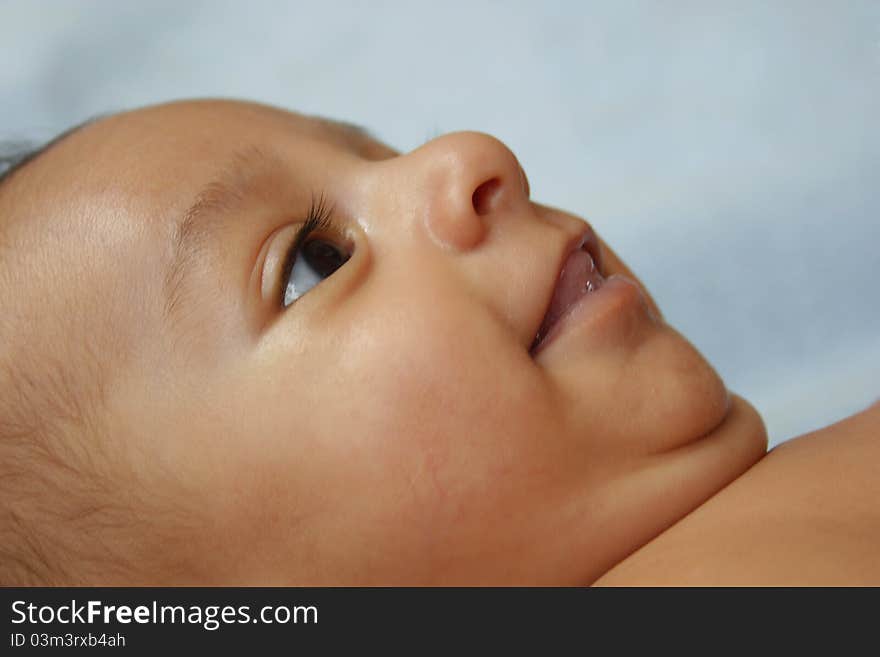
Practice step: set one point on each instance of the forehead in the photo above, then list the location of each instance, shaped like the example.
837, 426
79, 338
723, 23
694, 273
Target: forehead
186, 121
188, 132
143, 156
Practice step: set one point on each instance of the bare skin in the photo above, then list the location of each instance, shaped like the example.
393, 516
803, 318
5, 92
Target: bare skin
391, 425
806, 515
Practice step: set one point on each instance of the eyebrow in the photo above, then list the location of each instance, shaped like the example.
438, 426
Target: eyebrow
209, 213
238, 178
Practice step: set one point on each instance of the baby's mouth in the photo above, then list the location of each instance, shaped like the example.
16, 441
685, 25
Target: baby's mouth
581, 275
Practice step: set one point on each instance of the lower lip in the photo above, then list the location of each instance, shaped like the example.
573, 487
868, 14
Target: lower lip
616, 295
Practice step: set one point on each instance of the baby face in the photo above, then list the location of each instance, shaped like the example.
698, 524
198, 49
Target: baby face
355, 366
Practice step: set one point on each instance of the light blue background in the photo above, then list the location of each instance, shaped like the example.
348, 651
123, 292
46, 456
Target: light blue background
729, 151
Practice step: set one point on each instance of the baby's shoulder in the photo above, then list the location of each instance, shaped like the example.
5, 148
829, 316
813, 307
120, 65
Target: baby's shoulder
807, 513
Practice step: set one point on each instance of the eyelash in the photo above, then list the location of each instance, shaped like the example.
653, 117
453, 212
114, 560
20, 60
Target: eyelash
319, 218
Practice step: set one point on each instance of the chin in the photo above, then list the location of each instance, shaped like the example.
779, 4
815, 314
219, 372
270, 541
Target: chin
750, 425
680, 398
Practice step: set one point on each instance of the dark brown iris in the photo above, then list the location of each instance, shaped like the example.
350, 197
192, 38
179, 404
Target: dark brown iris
323, 257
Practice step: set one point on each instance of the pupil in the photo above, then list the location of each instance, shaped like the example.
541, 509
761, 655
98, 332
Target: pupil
323, 257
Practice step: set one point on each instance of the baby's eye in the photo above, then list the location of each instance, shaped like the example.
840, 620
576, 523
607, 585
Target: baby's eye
312, 262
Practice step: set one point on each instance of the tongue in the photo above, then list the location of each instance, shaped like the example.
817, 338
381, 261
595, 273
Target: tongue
579, 277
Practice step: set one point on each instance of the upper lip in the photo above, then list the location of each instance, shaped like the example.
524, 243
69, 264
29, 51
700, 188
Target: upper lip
587, 240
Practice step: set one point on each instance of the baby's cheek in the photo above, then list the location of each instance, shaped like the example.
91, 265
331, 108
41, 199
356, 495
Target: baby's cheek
440, 425
401, 386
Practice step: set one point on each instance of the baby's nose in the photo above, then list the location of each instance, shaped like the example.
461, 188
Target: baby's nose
471, 181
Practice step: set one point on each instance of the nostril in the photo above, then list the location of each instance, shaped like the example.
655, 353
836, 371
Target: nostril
486, 196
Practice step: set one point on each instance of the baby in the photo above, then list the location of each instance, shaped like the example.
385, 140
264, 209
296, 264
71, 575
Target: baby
240, 345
